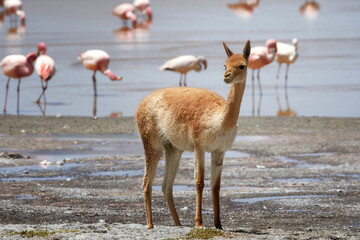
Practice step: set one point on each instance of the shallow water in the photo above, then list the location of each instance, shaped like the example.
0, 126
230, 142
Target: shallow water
323, 82
261, 199
92, 146
301, 163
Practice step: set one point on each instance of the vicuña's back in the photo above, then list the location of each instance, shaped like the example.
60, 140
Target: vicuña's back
185, 117
191, 119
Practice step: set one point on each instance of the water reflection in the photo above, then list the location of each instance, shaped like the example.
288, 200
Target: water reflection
141, 31
143, 28
310, 9
42, 108
244, 8
15, 33
253, 102
116, 114
125, 33
284, 112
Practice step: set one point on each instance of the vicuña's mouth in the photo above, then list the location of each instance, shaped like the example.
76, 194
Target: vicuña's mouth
227, 80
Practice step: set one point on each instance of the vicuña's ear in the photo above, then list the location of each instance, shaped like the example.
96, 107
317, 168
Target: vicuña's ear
227, 50
247, 49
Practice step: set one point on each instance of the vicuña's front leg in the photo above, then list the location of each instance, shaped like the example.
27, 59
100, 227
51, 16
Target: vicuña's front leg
199, 157
172, 160
216, 168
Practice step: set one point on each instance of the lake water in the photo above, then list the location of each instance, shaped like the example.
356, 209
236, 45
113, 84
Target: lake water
325, 80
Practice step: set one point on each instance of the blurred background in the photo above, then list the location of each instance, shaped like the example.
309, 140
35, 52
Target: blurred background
324, 81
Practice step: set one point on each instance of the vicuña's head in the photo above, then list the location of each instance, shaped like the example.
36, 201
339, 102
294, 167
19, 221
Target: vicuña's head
236, 64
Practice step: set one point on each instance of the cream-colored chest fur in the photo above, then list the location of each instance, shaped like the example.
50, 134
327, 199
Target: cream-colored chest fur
202, 127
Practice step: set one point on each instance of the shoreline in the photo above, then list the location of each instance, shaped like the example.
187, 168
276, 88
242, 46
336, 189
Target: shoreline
47, 125
302, 174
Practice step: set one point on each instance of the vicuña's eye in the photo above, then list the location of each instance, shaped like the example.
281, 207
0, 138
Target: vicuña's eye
224, 67
242, 67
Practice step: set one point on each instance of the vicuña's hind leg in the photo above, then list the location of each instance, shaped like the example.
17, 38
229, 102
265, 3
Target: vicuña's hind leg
199, 157
152, 157
216, 168
153, 152
172, 160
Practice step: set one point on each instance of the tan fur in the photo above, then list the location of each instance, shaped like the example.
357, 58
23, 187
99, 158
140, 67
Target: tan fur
191, 119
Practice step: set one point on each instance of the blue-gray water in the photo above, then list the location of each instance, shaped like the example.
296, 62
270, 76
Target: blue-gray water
325, 80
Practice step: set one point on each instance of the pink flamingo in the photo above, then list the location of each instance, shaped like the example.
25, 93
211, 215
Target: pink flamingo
45, 68
17, 66
184, 64
97, 60
286, 53
261, 56
14, 8
310, 9
244, 8
144, 7
125, 12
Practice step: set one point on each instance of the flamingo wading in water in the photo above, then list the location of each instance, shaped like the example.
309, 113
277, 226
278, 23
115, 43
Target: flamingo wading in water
184, 64
14, 9
286, 53
97, 60
261, 56
17, 66
144, 7
126, 11
45, 68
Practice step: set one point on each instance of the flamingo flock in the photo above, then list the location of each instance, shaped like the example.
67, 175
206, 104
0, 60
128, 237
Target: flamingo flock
127, 11
19, 66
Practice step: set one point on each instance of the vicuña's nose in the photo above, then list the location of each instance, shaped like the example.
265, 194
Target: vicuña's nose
227, 75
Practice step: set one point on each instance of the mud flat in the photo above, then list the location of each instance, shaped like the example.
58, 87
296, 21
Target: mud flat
284, 178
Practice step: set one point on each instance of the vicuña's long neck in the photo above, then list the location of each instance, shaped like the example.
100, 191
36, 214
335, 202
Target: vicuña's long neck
232, 107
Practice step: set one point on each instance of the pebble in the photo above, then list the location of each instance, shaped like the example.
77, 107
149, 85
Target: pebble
260, 167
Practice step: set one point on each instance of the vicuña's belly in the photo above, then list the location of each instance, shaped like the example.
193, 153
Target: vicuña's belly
207, 140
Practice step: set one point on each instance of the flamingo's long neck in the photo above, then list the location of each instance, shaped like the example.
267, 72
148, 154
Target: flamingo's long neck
271, 55
232, 107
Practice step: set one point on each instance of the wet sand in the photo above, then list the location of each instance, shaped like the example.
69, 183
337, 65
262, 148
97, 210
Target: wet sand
283, 178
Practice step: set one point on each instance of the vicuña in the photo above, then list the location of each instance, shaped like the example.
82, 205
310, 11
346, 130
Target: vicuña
177, 119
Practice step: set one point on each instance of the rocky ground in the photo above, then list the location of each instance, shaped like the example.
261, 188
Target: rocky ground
284, 178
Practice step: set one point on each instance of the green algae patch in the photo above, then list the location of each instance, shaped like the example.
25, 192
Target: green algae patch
203, 233
31, 233
40, 233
